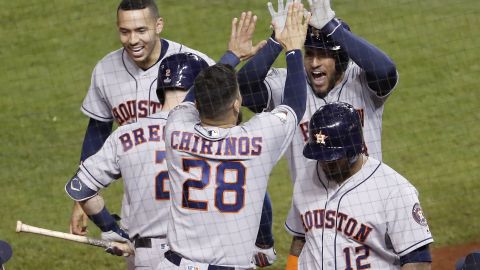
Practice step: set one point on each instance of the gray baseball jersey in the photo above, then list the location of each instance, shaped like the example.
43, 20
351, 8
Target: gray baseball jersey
353, 89
121, 91
367, 222
218, 180
136, 152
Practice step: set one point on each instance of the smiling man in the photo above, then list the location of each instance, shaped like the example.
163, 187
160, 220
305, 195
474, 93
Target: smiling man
139, 31
123, 85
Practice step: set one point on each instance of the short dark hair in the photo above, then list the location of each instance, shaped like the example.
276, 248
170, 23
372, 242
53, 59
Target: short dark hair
139, 4
216, 88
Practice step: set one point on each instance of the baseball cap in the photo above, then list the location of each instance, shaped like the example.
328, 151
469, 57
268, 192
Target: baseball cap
470, 262
5, 252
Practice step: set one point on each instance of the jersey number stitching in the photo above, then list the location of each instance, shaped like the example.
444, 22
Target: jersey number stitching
358, 260
221, 186
161, 178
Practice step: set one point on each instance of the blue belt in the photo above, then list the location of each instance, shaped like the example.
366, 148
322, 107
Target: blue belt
176, 259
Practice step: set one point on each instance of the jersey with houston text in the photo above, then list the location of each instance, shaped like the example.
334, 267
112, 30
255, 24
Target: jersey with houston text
367, 222
135, 152
353, 89
218, 180
121, 91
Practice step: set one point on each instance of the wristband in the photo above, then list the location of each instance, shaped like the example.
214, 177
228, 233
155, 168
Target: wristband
104, 220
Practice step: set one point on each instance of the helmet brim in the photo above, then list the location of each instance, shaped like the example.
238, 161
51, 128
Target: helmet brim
321, 153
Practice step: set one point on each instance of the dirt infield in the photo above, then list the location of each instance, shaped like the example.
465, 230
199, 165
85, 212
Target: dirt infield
444, 258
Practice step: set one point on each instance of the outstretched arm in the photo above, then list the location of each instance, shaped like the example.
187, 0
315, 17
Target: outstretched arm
292, 38
380, 70
252, 75
95, 135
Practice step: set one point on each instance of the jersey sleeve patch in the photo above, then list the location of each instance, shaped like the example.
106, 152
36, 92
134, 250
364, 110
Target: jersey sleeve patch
283, 112
418, 216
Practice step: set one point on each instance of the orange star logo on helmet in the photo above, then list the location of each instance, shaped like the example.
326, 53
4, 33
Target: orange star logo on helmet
320, 137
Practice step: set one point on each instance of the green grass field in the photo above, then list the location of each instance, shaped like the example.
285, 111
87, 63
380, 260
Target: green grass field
49, 49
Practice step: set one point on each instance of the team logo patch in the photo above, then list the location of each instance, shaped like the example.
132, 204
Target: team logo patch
321, 137
418, 216
213, 133
76, 184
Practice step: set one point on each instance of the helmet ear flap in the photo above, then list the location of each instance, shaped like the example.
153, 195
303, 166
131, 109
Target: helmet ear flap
341, 61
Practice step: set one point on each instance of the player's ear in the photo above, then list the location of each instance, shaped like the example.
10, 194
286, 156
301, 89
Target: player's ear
159, 25
237, 104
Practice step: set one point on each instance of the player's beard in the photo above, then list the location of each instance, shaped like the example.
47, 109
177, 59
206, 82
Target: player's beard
337, 171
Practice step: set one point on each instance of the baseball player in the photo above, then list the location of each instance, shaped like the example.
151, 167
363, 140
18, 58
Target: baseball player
218, 170
123, 83
353, 212
340, 66
136, 152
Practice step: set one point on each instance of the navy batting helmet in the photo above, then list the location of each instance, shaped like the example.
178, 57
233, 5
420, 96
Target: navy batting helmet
317, 39
335, 132
178, 72
5, 252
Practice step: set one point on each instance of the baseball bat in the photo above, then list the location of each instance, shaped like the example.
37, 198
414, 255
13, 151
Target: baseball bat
21, 227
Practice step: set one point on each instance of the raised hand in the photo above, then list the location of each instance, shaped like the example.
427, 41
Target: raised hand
241, 36
279, 17
322, 13
293, 34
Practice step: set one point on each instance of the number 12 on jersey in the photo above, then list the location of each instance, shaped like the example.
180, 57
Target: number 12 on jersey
361, 253
237, 187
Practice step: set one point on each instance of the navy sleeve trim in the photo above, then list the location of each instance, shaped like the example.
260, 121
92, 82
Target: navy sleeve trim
252, 75
295, 94
96, 116
293, 231
96, 134
229, 58
419, 255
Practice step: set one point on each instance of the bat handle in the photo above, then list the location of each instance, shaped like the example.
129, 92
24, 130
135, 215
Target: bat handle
19, 226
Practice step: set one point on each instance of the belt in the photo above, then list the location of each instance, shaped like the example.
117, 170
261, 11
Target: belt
146, 242
176, 259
